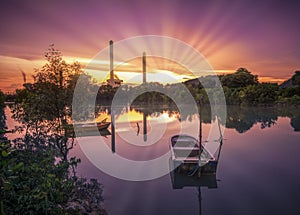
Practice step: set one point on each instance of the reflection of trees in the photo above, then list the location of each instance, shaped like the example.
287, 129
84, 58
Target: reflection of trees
243, 118
155, 110
295, 123
2, 119
2, 124
240, 118
151, 99
293, 113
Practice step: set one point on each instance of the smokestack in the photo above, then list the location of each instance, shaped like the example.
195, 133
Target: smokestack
144, 67
111, 54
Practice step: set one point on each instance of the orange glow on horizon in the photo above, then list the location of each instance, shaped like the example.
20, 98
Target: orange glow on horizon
127, 71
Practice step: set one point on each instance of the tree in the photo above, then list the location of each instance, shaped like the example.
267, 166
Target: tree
2, 99
45, 106
36, 171
232, 96
241, 78
264, 93
296, 78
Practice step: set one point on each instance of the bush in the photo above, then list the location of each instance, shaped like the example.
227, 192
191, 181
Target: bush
32, 183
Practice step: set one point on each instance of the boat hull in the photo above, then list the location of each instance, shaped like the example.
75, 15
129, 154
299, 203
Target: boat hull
180, 180
92, 126
187, 158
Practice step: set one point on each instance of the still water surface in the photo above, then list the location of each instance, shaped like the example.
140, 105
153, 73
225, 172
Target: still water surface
258, 171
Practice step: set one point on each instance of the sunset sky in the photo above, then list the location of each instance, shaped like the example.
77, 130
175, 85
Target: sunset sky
263, 36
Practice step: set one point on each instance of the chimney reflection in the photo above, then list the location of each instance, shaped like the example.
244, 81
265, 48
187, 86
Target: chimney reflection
145, 126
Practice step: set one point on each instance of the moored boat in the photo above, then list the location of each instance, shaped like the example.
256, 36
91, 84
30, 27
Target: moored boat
91, 126
190, 157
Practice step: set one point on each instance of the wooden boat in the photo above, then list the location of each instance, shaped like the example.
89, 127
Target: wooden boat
91, 126
88, 129
189, 157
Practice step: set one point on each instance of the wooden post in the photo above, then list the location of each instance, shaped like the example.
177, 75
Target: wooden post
200, 136
221, 140
200, 200
113, 133
200, 124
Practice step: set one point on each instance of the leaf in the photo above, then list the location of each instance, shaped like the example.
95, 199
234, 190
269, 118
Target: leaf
18, 166
4, 154
51, 175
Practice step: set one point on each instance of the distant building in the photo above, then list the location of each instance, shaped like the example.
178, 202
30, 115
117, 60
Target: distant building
115, 82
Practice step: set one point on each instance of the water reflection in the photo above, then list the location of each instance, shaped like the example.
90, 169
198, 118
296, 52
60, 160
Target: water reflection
2, 125
180, 181
103, 132
250, 176
132, 126
145, 126
295, 122
242, 119
239, 118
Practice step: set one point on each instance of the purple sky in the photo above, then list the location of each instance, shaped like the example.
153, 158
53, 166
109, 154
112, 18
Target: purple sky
263, 36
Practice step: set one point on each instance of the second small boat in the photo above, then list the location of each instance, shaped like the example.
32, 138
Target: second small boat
91, 126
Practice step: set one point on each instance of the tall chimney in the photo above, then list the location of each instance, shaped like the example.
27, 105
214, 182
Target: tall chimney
144, 67
111, 54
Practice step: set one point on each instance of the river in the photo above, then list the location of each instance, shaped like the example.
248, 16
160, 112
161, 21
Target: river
258, 170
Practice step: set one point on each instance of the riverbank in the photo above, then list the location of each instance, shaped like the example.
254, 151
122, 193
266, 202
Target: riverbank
35, 181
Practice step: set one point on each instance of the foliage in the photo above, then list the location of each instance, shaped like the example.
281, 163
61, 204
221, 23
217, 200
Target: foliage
292, 100
288, 92
241, 87
2, 99
106, 92
232, 95
51, 93
31, 183
37, 176
296, 78
241, 78
264, 93
44, 107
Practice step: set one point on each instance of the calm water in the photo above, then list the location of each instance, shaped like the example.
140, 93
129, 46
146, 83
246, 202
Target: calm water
258, 171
